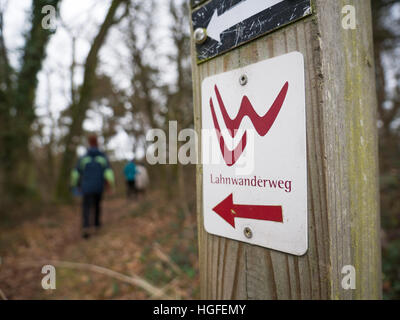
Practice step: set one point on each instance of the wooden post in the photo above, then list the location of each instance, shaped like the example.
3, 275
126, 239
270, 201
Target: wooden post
343, 214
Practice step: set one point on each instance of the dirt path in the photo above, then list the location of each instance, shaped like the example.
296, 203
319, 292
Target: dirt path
146, 239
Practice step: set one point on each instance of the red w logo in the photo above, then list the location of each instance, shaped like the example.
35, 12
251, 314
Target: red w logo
261, 124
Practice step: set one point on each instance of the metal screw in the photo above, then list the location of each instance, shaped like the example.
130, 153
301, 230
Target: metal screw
248, 233
200, 35
243, 80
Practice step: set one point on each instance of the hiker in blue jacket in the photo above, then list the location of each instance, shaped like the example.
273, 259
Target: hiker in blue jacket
130, 172
92, 173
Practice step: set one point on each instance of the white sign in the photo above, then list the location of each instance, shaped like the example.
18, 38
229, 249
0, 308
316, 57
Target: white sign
254, 154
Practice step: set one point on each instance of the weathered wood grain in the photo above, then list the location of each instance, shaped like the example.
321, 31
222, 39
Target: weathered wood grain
342, 168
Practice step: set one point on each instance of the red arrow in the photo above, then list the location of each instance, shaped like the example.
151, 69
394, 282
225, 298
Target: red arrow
228, 211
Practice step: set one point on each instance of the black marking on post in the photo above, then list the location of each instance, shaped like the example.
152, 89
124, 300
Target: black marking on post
272, 18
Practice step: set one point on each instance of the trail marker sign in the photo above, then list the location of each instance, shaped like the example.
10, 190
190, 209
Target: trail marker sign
254, 154
230, 23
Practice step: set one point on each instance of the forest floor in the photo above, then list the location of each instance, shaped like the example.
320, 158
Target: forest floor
145, 249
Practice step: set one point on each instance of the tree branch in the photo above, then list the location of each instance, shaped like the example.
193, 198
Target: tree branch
132, 280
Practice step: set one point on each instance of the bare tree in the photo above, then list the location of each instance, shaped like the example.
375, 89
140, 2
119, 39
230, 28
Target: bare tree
78, 109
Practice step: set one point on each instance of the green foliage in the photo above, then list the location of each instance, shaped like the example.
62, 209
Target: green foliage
115, 289
391, 270
190, 271
157, 274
